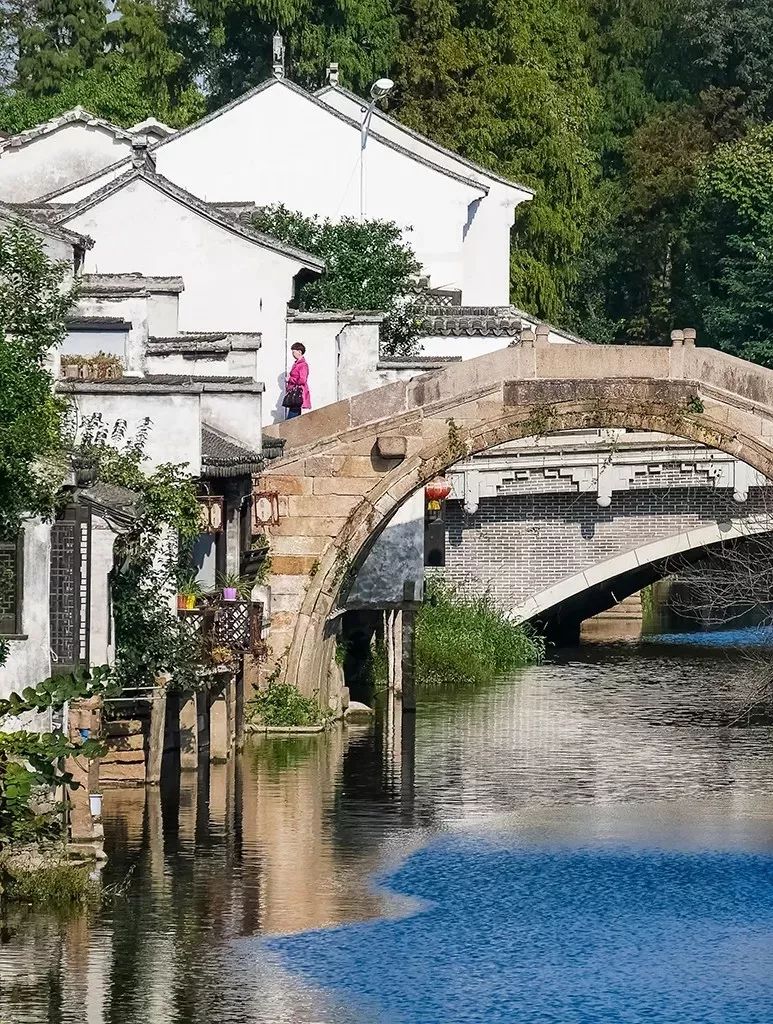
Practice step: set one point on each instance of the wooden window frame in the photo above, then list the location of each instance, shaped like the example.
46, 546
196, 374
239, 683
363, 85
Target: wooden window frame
17, 546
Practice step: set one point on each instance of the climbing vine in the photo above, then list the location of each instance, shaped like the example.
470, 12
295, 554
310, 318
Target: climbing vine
150, 639
30, 762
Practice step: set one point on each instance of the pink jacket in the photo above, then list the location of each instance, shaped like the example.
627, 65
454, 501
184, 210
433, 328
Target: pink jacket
297, 378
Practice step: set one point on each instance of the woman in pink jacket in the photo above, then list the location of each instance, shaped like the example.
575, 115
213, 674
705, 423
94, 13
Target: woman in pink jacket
297, 397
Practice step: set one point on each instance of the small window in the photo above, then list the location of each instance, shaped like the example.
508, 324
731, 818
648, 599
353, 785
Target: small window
11, 585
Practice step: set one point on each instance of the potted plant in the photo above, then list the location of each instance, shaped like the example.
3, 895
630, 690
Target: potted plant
188, 592
233, 586
70, 367
220, 655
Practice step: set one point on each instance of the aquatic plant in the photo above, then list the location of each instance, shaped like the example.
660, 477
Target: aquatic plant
467, 640
57, 885
283, 704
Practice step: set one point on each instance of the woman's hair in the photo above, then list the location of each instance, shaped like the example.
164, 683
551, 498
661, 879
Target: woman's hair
298, 347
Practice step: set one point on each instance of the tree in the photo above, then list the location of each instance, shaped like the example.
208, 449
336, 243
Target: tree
30, 761
230, 41
368, 265
731, 246
136, 72
506, 85
33, 310
64, 39
728, 47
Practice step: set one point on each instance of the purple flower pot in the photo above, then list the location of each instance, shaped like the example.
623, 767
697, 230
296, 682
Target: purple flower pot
230, 593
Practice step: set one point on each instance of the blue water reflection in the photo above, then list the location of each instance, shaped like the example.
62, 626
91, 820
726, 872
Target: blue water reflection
557, 935
747, 636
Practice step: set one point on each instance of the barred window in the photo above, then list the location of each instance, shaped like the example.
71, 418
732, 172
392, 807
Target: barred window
10, 585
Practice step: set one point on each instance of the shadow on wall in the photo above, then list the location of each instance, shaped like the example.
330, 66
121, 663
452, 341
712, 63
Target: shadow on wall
395, 559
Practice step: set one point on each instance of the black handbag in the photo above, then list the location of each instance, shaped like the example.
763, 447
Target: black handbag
293, 398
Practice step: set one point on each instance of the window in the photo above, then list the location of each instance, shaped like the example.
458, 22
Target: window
11, 585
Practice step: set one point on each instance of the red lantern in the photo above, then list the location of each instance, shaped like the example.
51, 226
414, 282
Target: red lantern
437, 490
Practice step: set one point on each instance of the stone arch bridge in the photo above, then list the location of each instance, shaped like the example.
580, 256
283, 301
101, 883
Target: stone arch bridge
348, 467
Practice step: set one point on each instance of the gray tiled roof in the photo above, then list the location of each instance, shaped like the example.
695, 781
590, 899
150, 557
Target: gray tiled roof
97, 323
208, 210
16, 212
470, 322
131, 283
116, 503
222, 455
273, 446
55, 123
190, 345
162, 383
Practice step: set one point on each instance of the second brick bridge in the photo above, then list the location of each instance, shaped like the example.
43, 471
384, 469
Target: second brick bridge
348, 467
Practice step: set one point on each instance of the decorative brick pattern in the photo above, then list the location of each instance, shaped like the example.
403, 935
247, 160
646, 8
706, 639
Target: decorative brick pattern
517, 545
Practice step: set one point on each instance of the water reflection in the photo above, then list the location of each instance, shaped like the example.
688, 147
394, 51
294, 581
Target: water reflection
289, 835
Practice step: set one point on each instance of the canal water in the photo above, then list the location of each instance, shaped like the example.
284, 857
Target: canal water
584, 842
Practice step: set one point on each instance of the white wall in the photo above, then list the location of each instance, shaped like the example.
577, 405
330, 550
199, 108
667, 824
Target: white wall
486, 275
320, 338
29, 660
237, 414
175, 434
231, 284
56, 158
279, 146
102, 634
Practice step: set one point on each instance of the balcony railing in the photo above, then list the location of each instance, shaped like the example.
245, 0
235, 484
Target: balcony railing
235, 625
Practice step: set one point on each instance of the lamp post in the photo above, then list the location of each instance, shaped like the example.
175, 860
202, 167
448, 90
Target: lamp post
381, 88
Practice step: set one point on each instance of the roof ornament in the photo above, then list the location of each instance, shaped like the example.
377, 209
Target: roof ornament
332, 74
142, 158
278, 67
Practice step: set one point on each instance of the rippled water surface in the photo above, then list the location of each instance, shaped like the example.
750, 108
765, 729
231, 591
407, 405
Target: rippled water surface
587, 841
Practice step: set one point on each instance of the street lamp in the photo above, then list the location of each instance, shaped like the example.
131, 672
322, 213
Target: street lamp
380, 88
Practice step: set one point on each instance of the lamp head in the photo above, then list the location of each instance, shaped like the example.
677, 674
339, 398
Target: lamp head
381, 88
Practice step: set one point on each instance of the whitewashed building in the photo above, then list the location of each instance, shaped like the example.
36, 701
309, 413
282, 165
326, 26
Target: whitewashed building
64, 149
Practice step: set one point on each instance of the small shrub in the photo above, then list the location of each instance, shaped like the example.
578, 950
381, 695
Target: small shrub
467, 640
58, 885
282, 704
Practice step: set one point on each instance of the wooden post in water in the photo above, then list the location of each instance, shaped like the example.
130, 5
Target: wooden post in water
189, 731
157, 725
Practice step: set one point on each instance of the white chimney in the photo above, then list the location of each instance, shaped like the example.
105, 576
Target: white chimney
278, 68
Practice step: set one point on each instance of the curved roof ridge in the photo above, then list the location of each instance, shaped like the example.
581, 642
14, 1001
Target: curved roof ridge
192, 202
312, 98
77, 113
426, 139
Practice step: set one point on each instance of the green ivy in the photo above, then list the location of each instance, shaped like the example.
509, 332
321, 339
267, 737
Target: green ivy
150, 639
30, 762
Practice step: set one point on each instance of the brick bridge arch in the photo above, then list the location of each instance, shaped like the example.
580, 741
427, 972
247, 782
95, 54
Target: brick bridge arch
348, 467
599, 587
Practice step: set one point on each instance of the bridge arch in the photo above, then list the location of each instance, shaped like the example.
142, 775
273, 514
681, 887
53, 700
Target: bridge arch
632, 569
369, 454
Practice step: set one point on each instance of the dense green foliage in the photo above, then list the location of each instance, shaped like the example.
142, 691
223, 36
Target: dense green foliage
612, 110
284, 705
150, 638
368, 266
30, 761
467, 640
33, 309
60, 885
57, 54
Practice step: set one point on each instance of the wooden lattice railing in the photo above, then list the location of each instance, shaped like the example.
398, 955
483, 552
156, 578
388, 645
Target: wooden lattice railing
237, 625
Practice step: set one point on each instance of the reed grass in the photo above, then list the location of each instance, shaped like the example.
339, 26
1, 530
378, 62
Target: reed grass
467, 641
